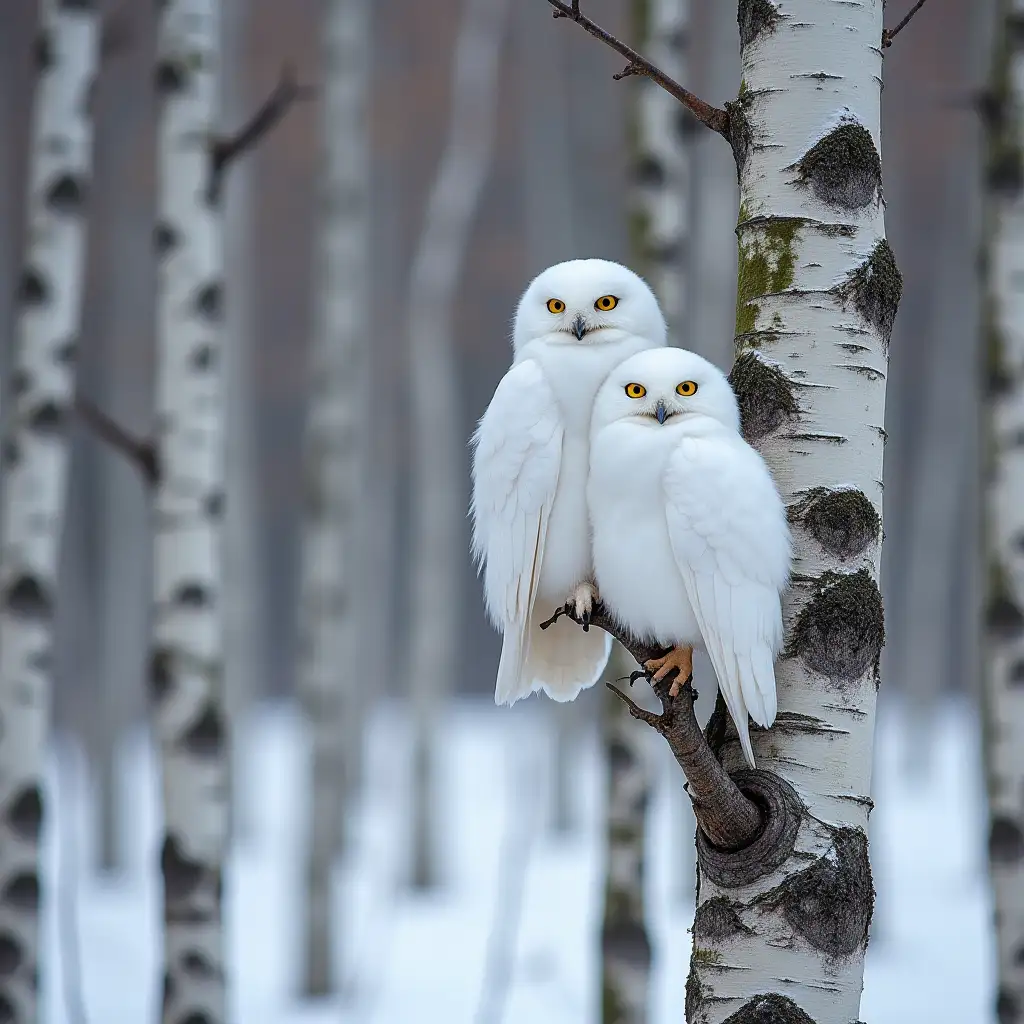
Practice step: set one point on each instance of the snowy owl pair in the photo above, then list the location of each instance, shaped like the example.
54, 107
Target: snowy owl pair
609, 465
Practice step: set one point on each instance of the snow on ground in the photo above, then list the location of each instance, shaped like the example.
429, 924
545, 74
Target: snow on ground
419, 960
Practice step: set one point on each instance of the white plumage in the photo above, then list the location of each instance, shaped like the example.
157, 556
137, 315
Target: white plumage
531, 535
691, 543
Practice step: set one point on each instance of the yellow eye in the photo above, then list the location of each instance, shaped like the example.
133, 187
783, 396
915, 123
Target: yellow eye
606, 302
556, 306
636, 390
687, 388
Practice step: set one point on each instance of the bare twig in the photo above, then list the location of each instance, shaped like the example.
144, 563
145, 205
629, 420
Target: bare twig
712, 117
224, 151
888, 34
141, 452
724, 813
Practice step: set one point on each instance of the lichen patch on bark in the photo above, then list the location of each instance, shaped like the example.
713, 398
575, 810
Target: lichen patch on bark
843, 168
766, 261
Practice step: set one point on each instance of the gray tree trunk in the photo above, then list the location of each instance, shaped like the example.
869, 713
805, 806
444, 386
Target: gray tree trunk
336, 437
781, 928
35, 461
437, 443
625, 945
187, 668
1003, 337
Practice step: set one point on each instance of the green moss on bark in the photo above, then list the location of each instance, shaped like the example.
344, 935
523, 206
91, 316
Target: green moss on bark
765, 265
843, 168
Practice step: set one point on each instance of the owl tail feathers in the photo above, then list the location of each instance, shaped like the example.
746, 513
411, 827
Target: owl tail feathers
562, 660
743, 731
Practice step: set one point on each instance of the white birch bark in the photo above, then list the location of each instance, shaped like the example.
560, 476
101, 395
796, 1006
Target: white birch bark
625, 945
336, 429
784, 938
187, 661
437, 443
1003, 531
35, 462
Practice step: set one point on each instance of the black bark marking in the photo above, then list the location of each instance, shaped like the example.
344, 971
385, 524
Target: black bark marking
755, 17
77, 5
764, 395
627, 942
1018, 957
22, 892
202, 357
694, 993
165, 238
213, 504
875, 289
649, 172
25, 814
210, 301
168, 996
1003, 617
1017, 673
840, 632
781, 813
196, 1017
716, 920
196, 965
20, 381
843, 168
8, 1014
42, 52
171, 77
843, 522
1005, 841
192, 595
1007, 1007
160, 675
67, 353
33, 289
48, 418
831, 902
42, 659
66, 194
770, 1008
205, 737
10, 954
181, 876
741, 138
27, 598
11, 454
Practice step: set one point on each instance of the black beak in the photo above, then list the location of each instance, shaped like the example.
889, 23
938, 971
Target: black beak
660, 411
579, 327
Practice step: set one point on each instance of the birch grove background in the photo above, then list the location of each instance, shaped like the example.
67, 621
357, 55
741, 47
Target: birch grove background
336, 824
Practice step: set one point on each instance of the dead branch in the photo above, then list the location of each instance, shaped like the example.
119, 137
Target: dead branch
141, 452
889, 34
224, 151
711, 117
728, 818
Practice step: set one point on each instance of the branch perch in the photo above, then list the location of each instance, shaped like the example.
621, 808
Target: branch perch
224, 151
711, 117
141, 452
729, 818
889, 34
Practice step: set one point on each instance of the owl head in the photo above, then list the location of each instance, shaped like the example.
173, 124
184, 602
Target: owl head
587, 302
663, 387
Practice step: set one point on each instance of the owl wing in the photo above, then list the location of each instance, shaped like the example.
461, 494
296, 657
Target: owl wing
730, 539
518, 452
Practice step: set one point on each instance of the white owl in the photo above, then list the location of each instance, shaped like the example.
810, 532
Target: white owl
574, 322
691, 541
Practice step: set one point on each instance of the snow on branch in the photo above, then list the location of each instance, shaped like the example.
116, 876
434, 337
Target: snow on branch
224, 151
711, 117
888, 34
725, 814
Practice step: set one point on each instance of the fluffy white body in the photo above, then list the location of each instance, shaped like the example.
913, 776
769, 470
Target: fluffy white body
574, 323
691, 544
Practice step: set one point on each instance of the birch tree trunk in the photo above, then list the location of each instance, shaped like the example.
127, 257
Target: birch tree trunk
659, 232
35, 461
1003, 694
437, 443
335, 440
187, 669
625, 945
781, 927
